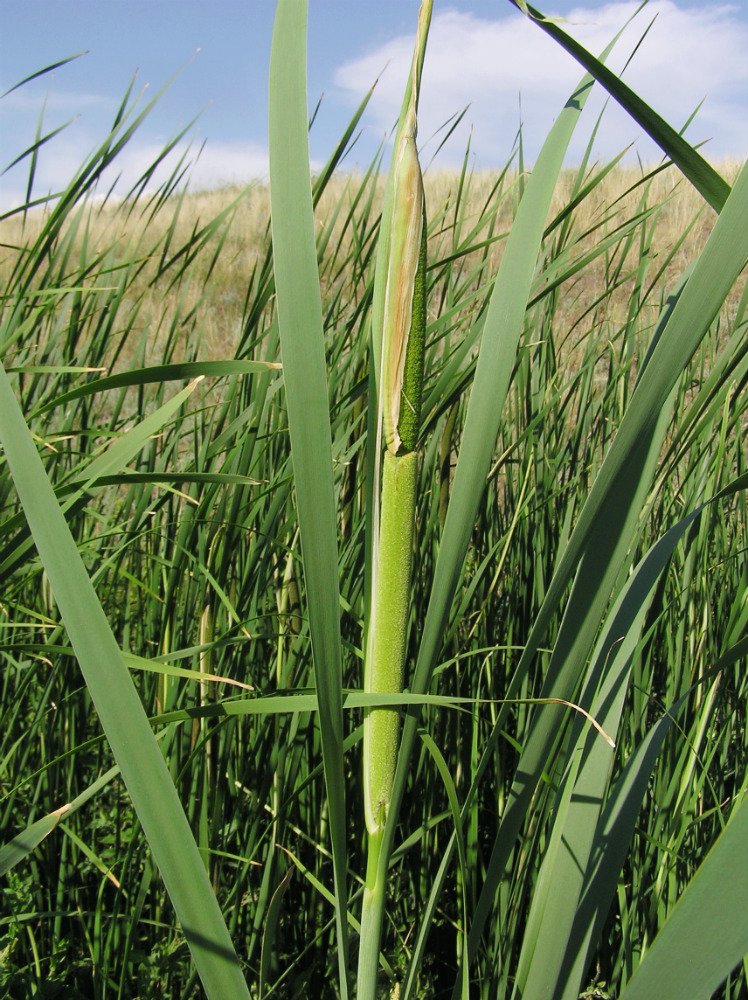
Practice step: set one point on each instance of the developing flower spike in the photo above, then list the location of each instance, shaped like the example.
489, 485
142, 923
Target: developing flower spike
405, 293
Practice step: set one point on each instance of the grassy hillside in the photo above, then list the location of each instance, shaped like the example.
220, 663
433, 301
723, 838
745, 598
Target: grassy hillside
224, 235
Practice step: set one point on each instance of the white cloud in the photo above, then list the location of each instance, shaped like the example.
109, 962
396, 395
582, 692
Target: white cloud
688, 55
30, 100
218, 163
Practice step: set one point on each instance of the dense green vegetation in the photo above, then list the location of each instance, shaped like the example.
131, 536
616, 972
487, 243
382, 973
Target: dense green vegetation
574, 742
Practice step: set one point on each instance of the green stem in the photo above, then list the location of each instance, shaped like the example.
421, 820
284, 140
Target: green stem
384, 675
372, 915
386, 659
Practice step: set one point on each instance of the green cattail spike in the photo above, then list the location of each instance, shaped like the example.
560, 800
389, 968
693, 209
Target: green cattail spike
409, 422
389, 633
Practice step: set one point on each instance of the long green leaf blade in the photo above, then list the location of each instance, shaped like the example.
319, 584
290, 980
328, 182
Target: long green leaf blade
122, 716
702, 175
706, 935
303, 355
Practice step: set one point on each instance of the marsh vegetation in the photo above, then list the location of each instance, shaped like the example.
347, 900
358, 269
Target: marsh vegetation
579, 552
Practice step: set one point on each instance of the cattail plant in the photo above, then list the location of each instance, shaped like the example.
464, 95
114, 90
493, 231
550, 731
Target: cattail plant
399, 319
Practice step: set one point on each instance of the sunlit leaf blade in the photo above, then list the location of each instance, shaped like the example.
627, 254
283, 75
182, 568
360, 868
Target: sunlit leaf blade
303, 357
706, 935
121, 712
26, 841
701, 174
29, 839
498, 347
41, 72
34, 149
158, 374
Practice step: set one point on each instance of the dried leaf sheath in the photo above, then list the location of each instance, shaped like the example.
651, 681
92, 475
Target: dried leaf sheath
403, 266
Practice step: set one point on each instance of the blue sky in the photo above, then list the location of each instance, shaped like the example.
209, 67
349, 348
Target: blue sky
482, 54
